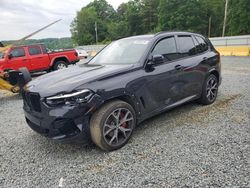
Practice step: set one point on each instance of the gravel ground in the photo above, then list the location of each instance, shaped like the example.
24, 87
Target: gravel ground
190, 146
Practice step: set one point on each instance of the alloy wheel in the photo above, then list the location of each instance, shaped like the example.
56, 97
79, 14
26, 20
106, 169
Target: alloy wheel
212, 88
61, 66
118, 127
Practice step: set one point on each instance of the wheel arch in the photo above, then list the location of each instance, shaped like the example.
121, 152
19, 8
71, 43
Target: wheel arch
61, 58
216, 73
130, 99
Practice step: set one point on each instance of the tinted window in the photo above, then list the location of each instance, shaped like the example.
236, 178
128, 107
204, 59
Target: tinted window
34, 50
17, 52
202, 46
166, 48
195, 42
43, 49
186, 46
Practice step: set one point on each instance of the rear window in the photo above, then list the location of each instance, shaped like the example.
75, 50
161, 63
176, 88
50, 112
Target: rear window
202, 46
43, 49
34, 50
186, 46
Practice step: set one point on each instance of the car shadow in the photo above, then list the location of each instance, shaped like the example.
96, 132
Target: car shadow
191, 113
57, 150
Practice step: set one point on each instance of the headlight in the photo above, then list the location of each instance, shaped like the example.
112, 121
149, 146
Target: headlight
73, 98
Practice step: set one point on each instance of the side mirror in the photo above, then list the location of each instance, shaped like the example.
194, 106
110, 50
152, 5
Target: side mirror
156, 59
10, 56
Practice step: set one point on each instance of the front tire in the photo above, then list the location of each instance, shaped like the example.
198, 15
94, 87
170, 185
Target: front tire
209, 90
112, 125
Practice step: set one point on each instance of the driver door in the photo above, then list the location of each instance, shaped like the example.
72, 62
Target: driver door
17, 59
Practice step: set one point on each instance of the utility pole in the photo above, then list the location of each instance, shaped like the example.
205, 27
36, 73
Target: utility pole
209, 26
225, 19
96, 33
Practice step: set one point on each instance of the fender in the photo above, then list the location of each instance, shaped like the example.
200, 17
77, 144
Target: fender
126, 96
53, 60
213, 69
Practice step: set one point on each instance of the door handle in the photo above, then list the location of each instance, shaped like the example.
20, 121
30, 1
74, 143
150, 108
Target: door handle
39, 57
25, 59
205, 58
179, 67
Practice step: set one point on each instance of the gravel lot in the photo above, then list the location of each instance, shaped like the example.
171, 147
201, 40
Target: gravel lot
190, 146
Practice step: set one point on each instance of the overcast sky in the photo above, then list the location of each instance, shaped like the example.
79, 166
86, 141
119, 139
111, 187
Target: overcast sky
21, 17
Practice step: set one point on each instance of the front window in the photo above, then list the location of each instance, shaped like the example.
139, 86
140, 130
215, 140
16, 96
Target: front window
124, 51
167, 48
1, 55
17, 52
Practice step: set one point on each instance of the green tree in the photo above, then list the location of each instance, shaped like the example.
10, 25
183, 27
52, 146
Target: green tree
182, 15
150, 15
238, 17
214, 9
82, 28
131, 12
104, 11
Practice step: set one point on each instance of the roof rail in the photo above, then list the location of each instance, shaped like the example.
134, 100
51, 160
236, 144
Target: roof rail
162, 32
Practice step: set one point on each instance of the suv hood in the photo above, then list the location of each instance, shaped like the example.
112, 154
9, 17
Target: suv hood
66, 80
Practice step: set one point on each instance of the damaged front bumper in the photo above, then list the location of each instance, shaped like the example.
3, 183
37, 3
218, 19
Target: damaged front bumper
63, 123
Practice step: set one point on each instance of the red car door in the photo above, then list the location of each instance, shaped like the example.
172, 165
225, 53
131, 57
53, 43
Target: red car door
38, 59
17, 58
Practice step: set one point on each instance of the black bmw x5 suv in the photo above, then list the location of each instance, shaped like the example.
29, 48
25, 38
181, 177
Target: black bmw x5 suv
129, 81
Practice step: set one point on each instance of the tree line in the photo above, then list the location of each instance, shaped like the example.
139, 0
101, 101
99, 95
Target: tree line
150, 16
50, 43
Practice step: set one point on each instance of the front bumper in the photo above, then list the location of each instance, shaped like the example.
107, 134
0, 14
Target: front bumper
65, 123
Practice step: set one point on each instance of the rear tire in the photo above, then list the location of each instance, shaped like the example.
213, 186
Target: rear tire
112, 125
60, 65
209, 90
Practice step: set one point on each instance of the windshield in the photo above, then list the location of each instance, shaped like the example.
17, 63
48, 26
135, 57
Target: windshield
124, 51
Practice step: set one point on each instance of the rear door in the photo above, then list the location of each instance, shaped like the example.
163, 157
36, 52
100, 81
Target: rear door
190, 73
38, 59
18, 59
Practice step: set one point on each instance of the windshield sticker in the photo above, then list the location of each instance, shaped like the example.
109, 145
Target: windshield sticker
141, 42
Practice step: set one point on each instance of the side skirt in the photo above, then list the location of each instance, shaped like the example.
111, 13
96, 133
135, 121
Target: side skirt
158, 111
